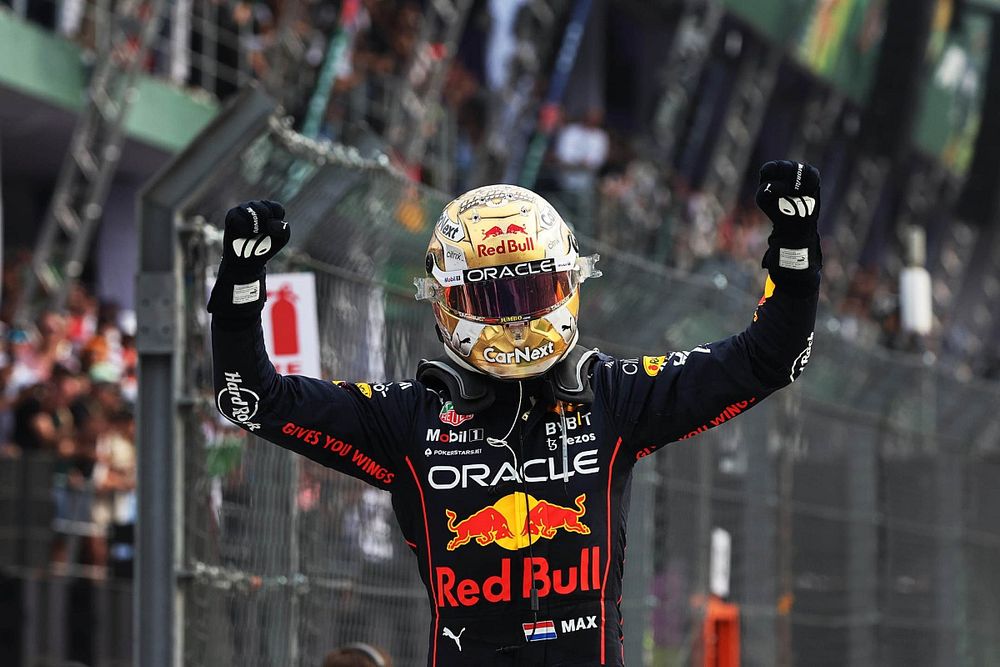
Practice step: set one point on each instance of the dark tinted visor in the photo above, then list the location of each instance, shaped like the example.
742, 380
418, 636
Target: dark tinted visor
510, 298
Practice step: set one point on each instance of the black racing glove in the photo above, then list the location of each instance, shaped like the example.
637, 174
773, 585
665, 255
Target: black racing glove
255, 232
789, 195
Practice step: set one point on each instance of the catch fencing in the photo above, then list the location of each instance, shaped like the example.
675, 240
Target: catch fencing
862, 503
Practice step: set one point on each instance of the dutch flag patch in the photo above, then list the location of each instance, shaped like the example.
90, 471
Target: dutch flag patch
540, 631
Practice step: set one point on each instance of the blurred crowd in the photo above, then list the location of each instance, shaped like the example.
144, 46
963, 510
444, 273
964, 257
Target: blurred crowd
67, 396
599, 171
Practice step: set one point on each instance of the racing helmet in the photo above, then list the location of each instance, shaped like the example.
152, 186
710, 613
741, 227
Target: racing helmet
503, 276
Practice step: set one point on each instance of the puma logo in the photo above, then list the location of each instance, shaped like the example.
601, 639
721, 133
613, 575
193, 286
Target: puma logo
451, 635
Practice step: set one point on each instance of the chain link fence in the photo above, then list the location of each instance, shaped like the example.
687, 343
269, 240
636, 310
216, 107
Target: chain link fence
862, 503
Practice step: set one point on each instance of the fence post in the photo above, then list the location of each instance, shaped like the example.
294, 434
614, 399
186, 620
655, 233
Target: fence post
636, 596
159, 555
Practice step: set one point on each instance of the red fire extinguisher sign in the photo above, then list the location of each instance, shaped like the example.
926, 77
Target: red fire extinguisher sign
291, 332
284, 322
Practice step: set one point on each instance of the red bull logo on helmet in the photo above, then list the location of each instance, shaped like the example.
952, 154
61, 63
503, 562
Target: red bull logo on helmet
497, 231
505, 246
516, 520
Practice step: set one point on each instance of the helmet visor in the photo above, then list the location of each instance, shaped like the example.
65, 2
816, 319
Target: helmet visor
509, 299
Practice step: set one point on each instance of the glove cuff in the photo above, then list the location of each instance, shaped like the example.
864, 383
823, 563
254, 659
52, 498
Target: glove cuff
793, 261
238, 293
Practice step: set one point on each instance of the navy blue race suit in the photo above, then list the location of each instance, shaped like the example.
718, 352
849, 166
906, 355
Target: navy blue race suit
470, 490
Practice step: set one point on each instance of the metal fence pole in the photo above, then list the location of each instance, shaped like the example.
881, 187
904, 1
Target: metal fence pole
756, 559
636, 596
862, 552
159, 556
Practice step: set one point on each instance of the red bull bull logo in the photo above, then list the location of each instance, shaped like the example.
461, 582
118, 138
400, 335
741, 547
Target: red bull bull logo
545, 519
516, 520
485, 526
497, 231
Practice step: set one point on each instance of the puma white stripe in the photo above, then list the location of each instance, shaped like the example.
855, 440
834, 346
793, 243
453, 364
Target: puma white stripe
797, 206
246, 248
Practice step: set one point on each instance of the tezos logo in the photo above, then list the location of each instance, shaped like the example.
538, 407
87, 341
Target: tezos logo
519, 355
448, 415
238, 403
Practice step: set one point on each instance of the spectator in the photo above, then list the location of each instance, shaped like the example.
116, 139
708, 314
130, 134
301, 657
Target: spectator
114, 480
580, 152
357, 655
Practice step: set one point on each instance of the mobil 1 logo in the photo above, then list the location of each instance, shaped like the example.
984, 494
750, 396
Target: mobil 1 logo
449, 436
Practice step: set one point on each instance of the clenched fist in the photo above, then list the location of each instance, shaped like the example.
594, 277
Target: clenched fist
789, 193
255, 232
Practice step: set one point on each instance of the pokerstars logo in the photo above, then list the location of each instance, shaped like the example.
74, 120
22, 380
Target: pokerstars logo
519, 355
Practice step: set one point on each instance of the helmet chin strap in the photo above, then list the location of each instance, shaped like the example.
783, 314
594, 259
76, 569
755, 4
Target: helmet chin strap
462, 362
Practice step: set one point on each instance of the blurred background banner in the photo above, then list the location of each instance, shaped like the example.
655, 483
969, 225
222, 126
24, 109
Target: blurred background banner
861, 507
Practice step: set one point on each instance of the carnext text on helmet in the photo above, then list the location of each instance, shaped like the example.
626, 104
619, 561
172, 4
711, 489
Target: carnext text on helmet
492, 355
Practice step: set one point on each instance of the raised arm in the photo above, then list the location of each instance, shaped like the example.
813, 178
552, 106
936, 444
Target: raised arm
347, 427
657, 400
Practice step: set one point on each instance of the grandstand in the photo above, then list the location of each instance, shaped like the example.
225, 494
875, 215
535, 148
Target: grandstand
859, 507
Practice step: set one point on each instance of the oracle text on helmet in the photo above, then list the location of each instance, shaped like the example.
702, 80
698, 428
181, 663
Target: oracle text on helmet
510, 270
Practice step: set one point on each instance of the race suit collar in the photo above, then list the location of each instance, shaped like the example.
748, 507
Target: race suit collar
472, 392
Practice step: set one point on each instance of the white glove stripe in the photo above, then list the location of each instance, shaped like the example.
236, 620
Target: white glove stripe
797, 206
263, 246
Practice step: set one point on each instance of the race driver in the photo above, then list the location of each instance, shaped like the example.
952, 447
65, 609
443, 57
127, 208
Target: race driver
509, 458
